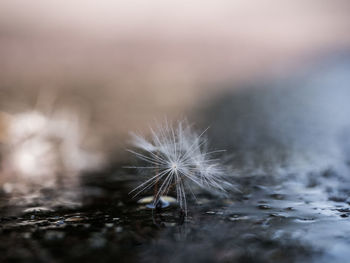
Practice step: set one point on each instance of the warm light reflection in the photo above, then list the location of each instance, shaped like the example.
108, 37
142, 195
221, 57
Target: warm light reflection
44, 149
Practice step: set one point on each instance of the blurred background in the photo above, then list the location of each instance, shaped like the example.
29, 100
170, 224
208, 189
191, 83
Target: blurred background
124, 63
77, 77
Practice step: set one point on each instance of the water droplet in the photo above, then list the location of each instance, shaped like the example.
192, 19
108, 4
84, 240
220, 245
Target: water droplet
264, 207
238, 218
74, 219
210, 213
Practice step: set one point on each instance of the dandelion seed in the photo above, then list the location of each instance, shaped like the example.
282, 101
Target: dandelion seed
177, 156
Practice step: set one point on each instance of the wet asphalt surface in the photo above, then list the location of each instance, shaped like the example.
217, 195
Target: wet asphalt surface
266, 222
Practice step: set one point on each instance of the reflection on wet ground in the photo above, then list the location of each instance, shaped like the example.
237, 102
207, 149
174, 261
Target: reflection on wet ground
266, 222
289, 154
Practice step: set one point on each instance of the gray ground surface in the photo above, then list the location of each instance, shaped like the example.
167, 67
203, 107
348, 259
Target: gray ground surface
267, 222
